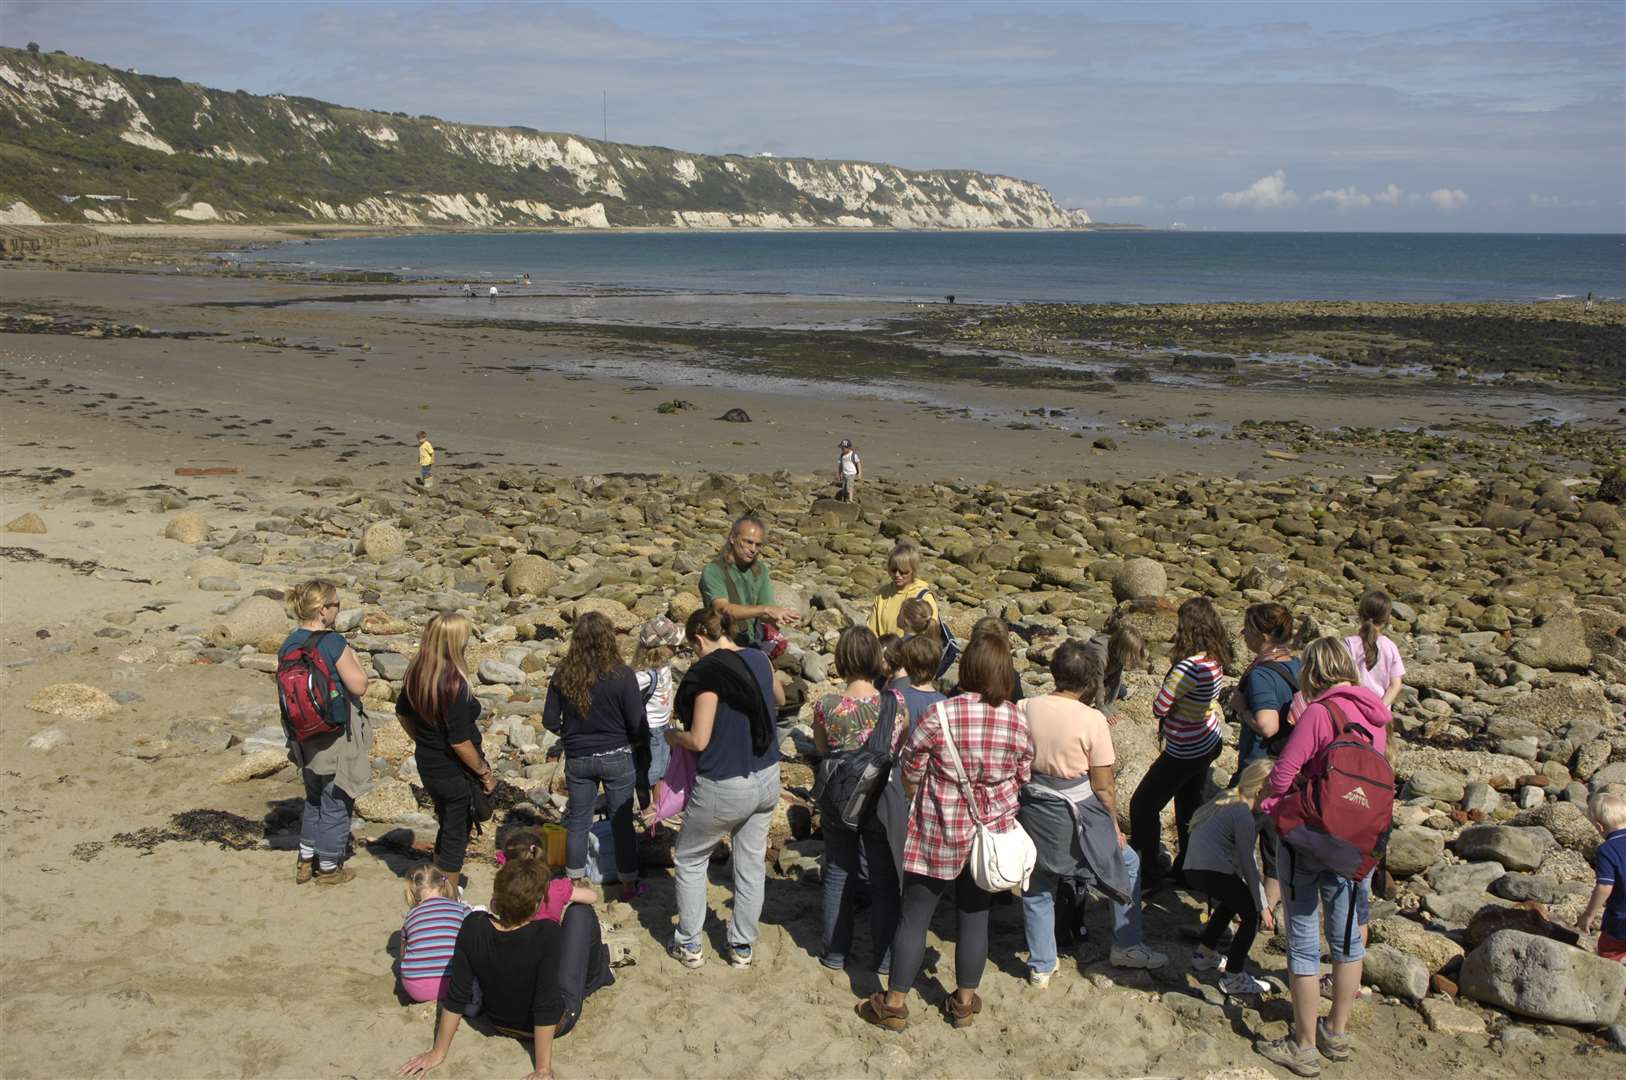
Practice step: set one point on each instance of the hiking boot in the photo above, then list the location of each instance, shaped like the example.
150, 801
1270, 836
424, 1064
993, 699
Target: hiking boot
1206, 959
739, 956
1286, 1052
690, 956
304, 870
1241, 984
1138, 956
336, 876
1332, 1047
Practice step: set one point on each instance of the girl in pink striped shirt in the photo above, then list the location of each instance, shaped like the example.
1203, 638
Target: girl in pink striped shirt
1188, 727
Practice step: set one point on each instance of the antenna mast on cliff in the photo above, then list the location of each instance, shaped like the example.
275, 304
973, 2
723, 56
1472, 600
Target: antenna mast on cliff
606, 115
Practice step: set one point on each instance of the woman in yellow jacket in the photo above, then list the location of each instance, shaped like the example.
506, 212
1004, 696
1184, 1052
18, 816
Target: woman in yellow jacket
903, 565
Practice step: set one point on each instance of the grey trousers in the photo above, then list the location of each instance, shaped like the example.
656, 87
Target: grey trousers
740, 809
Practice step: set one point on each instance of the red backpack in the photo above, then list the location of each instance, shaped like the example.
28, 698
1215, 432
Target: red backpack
306, 689
1340, 807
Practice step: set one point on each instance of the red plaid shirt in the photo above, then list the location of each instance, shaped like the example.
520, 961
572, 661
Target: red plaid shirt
996, 749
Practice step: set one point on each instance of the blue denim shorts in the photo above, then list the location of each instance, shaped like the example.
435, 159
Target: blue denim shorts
1341, 903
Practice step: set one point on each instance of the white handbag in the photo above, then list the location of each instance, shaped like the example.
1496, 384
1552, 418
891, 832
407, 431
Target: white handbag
999, 861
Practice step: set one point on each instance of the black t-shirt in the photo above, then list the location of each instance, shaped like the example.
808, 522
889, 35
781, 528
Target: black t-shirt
435, 755
518, 972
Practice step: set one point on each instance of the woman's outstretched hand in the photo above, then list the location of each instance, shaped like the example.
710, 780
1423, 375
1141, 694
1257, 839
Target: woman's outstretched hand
421, 1064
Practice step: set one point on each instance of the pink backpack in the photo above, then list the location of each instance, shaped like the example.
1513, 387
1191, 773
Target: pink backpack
672, 793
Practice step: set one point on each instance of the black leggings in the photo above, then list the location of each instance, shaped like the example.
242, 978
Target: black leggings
454, 813
1180, 779
920, 896
1231, 897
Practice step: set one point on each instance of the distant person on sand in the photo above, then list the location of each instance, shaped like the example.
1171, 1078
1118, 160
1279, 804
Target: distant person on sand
1588, 306
336, 766
468, 291
849, 470
438, 709
493, 294
737, 584
426, 458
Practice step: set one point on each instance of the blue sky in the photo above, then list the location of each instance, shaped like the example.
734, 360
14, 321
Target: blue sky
1415, 116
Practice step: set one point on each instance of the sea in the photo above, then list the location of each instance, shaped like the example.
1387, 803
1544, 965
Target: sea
1074, 267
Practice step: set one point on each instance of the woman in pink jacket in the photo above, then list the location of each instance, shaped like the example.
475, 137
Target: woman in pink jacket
1329, 678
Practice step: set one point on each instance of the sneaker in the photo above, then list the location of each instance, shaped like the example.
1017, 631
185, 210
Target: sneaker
304, 870
1332, 1047
690, 956
1039, 980
1241, 984
1286, 1052
337, 876
1138, 956
739, 956
1203, 959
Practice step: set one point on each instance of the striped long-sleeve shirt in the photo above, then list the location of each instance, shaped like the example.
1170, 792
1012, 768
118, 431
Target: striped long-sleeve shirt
429, 936
1187, 708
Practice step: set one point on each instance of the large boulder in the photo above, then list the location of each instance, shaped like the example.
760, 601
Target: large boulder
1567, 823
620, 616
255, 618
75, 701
1396, 973
1453, 678
530, 574
389, 801
1413, 849
189, 527
1515, 847
1434, 784
254, 766
1544, 980
382, 542
1555, 707
1139, 579
1559, 644
1434, 950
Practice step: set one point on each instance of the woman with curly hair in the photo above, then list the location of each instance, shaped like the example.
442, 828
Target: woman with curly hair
1188, 729
593, 704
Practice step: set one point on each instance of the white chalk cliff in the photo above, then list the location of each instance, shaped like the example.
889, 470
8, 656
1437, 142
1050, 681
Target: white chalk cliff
163, 150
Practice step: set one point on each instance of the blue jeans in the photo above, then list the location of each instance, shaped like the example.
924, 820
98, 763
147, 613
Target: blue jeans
844, 849
660, 755
1310, 886
325, 823
1039, 914
583, 777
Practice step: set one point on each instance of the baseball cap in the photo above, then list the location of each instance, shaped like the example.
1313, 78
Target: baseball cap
846, 444
660, 631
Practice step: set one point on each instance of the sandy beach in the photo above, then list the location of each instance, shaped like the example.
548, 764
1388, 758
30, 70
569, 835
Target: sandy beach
187, 959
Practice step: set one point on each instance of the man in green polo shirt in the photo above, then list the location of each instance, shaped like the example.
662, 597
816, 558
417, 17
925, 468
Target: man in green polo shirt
736, 582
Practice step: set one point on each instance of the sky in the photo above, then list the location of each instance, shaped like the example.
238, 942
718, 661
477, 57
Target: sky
1344, 116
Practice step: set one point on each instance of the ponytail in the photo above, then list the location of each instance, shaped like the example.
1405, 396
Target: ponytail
1374, 614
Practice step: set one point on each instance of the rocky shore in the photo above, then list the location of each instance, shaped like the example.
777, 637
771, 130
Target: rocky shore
1509, 610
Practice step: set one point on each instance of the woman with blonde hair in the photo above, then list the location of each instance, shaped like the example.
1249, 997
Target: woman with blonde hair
336, 765
903, 567
438, 709
594, 705
1337, 703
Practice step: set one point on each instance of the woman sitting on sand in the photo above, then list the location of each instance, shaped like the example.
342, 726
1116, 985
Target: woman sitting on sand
437, 708
336, 767
593, 703
534, 975
727, 705
996, 749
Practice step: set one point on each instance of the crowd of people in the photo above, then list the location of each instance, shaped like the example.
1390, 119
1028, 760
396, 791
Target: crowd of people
927, 787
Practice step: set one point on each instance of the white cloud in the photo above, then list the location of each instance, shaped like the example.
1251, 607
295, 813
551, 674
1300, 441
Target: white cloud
1349, 198
1447, 200
1265, 193
1546, 202
1187, 202
1117, 202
